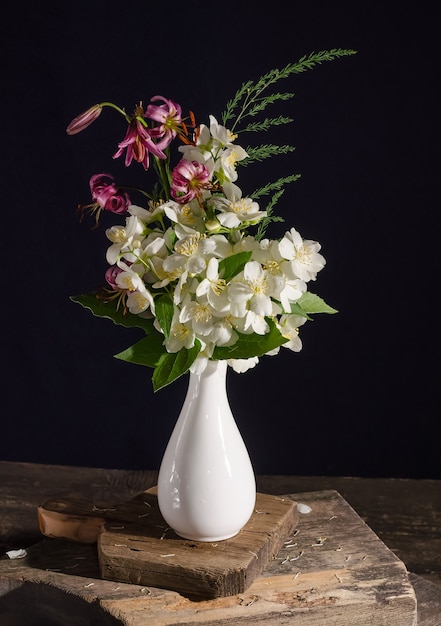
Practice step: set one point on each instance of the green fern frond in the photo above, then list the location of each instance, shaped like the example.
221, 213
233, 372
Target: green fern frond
249, 97
269, 218
260, 105
234, 102
276, 185
265, 124
252, 99
259, 153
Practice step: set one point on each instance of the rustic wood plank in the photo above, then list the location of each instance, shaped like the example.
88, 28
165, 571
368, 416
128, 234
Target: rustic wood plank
149, 553
428, 601
135, 539
25, 486
404, 513
335, 570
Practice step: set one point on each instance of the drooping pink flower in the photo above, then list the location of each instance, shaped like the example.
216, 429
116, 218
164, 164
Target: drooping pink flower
107, 195
189, 178
84, 120
169, 118
138, 142
110, 276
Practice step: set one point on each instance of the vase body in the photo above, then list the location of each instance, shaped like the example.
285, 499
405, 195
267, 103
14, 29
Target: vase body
206, 483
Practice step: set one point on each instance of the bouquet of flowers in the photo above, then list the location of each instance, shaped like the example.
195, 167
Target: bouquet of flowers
193, 267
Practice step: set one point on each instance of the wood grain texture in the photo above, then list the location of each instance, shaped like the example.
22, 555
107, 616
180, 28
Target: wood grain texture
334, 571
147, 552
404, 513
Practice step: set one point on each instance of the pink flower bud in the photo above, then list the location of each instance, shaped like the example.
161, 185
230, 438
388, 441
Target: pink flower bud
111, 274
84, 120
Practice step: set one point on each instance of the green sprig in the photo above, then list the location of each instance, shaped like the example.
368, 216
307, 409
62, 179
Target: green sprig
259, 153
249, 99
277, 184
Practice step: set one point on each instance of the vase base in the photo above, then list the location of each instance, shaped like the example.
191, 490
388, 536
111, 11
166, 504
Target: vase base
206, 539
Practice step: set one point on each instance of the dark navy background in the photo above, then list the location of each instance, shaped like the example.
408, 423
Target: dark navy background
362, 396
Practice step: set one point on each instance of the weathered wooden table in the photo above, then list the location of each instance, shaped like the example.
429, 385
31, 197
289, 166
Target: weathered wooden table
404, 514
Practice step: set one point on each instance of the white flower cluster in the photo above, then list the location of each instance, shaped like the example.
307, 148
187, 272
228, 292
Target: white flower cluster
186, 257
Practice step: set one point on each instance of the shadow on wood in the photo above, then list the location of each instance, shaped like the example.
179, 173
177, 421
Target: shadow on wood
39, 604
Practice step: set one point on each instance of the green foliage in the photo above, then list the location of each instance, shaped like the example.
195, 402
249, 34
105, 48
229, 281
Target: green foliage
232, 265
259, 153
266, 124
251, 345
253, 98
311, 303
108, 308
276, 185
249, 99
172, 366
167, 366
264, 223
148, 351
164, 313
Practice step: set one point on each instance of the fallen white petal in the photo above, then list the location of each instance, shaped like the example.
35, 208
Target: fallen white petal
17, 554
303, 508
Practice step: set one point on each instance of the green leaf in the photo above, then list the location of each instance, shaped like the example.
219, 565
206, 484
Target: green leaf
296, 309
110, 310
172, 366
311, 303
164, 313
147, 351
231, 266
248, 346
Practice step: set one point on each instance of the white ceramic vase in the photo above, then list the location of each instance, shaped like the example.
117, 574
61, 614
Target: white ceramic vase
206, 483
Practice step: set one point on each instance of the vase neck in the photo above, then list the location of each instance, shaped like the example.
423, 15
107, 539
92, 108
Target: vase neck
213, 376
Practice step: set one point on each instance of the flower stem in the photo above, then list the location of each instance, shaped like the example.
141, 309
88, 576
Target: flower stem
117, 108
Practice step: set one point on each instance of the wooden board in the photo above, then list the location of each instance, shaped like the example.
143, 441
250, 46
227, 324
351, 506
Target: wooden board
333, 572
146, 552
136, 546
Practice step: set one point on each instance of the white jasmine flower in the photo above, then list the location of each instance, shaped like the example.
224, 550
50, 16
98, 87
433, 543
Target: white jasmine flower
139, 298
289, 327
139, 301
220, 134
213, 287
146, 216
243, 365
186, 214
303, 255
199, 315
181, 335
235, 210
254, 323
226, 164
251, 290
223, 333
125, 239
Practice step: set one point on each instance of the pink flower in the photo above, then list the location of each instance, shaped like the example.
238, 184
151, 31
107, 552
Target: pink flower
169, 117
107, 195
138, 142
84, 120
188, 180
111, 274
